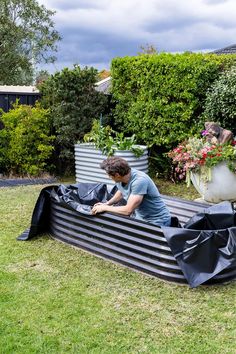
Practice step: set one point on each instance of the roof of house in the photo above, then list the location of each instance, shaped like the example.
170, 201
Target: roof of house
18, 89
104, 85
231, 49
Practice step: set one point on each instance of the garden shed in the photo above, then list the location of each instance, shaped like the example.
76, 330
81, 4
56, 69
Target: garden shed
25, 94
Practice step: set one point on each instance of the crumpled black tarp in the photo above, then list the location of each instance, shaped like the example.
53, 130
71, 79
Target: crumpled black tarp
80, 197
204, 247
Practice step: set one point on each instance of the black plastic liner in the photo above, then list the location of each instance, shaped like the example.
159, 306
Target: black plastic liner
206, 244
79, 197
204, 247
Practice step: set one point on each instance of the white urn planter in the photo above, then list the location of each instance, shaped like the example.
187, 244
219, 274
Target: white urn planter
88, 159
221, 187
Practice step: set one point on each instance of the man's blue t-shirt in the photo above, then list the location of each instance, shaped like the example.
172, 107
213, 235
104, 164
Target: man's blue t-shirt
152, 209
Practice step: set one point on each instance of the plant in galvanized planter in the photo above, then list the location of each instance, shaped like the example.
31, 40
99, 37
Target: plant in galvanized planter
100, 143
108, 140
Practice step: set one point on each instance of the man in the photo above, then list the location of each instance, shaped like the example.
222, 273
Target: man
136, 187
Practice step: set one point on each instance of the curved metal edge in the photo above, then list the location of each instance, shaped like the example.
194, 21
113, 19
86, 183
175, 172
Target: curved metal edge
134, 244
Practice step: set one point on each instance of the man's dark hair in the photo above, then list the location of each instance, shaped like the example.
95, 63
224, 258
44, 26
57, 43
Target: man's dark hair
115, 164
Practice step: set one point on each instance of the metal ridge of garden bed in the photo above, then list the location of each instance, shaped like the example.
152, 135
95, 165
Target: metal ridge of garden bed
132, 243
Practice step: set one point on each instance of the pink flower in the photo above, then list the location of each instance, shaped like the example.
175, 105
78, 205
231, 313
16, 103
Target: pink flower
196, 152
204, 132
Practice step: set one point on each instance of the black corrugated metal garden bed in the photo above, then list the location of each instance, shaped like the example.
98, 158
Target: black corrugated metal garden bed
139, 245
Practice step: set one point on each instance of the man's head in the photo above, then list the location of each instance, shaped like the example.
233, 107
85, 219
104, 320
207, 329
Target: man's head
115, 166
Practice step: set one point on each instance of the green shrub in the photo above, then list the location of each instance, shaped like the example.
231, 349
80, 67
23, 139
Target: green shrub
74, 103
220, 105
26, 141
4, 160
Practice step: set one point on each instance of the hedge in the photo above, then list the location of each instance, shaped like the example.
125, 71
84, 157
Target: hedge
160, 97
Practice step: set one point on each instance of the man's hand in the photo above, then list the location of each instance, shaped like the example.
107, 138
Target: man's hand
133, 202
99, 208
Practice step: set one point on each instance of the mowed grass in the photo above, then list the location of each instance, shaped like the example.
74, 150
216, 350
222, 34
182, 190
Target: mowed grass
58, 299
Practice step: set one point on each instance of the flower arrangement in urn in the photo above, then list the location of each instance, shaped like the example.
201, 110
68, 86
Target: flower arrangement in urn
201, 154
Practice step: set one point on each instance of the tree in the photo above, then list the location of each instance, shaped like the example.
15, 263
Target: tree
148, 49
41, 76
27, 37
74, 103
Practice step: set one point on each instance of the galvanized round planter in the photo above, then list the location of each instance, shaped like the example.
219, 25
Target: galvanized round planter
88, 159
127, 241
222, 185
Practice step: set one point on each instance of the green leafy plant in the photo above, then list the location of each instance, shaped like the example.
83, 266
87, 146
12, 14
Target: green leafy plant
220, 102
26, 143
108, 140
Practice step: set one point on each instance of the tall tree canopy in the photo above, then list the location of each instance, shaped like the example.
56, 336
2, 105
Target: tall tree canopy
27, 37
73, 101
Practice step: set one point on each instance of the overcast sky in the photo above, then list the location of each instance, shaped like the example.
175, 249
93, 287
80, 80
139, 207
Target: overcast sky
95, 31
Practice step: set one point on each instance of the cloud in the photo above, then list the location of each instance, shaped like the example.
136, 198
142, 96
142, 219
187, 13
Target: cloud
96, 31
73, 4
215, 2
89, 46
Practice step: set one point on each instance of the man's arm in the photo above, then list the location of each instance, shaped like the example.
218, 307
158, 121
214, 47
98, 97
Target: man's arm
132, 203
115, 199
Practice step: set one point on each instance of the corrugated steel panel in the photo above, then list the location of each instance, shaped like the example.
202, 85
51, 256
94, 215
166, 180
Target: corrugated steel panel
88, 159
138, 245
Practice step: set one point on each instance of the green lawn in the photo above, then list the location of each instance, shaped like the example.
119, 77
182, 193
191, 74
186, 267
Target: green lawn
59, 299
